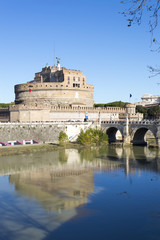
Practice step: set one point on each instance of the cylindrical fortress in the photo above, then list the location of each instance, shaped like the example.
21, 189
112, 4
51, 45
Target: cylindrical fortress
54, 93
56, 86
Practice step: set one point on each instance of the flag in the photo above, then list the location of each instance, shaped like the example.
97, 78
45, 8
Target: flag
130, 95
30, 90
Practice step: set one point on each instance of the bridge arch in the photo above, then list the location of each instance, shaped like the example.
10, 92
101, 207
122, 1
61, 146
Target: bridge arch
138, 135
112, 134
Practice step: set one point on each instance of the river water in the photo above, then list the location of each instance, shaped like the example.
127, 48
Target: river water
99, 193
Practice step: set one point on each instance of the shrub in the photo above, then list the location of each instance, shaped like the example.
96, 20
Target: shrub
63, 138
92, 137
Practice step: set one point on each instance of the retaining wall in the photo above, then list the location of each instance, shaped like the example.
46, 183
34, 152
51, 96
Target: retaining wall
41, 132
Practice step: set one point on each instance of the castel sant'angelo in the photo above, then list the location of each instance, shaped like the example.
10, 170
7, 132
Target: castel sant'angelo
60, 94
56, 86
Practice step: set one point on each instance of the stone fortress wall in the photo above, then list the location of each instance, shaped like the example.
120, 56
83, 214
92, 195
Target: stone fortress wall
48, 113
57, 86
60, 94
58, 99
57, 94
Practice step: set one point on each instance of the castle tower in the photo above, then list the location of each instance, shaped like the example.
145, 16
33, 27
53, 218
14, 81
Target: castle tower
56, 86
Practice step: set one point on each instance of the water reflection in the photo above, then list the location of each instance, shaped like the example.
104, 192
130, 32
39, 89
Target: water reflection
57, 161
64, 184
47, 189
55, 192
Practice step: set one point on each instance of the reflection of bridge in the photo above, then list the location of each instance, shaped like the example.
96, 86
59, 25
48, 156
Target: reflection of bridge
132, 132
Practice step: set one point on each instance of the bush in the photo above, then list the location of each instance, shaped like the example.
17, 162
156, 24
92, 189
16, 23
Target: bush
92, 137
63, 138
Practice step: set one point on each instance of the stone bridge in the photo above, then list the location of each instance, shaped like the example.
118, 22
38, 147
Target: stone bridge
132, 132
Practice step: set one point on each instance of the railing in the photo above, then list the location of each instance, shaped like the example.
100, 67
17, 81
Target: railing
113, 122
142, 122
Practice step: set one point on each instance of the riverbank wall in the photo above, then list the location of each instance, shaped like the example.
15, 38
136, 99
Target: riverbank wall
41, 132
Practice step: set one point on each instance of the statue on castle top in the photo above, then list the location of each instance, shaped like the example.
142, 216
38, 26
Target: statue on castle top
58, 60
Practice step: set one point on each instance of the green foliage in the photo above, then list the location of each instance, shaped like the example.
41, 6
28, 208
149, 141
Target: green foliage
150, 112
92, 137
112, 104
154, 112
143, 110
63, 138
4, 105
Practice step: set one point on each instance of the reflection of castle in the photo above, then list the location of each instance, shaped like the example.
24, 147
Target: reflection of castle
65, 182
56, 193
65, 185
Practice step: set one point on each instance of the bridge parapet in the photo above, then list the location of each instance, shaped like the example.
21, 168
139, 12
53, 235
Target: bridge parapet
113, 122
144, 122
132, 131
147, 122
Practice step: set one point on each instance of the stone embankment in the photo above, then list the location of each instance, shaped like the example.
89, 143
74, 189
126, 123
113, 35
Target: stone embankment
41, 132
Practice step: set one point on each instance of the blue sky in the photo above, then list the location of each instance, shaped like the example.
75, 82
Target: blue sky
88, 35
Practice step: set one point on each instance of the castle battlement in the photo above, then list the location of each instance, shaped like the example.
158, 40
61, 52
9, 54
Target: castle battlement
56, 86
44, 86
65, 108
61, 94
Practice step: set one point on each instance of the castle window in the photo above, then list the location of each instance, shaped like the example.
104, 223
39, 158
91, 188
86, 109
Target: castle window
68, 78
61, 85
73, 78
83, 79
78, 78
68, 82
76, 85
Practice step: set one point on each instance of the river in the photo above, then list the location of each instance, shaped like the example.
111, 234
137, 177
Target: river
94, 193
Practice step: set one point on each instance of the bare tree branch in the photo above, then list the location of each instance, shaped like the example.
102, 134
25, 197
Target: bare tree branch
135, 10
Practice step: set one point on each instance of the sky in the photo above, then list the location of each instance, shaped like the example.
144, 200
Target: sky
87, 35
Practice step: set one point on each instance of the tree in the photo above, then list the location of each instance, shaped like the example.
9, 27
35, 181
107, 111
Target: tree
141, 109
137, 8
135, 11
63, 138
150, 112
92, 137
154, 112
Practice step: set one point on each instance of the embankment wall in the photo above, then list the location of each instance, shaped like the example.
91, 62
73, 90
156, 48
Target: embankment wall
41, 132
